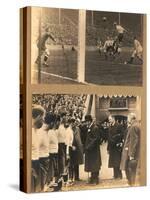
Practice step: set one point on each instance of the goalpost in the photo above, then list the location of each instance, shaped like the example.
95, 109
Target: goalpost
36, 33
81, 46
36, 17
119, 18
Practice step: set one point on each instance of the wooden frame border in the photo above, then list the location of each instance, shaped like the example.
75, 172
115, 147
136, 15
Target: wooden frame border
28, 89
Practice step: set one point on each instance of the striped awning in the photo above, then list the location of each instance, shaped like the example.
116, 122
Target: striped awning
118, 95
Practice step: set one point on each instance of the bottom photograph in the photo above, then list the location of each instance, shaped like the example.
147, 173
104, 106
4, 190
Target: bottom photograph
85, 141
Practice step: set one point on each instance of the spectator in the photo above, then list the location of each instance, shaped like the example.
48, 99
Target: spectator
131, 149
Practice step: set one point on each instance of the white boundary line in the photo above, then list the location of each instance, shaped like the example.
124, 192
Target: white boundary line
59, 76
70, 79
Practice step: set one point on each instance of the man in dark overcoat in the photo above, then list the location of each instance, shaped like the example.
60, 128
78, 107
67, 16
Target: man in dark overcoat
114, 148
131, 149
92, 150
76, 151
83, 132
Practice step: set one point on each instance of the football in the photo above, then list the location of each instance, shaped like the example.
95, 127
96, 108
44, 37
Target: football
104, 19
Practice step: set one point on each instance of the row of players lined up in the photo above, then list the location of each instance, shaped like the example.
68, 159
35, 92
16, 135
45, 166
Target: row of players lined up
57, 149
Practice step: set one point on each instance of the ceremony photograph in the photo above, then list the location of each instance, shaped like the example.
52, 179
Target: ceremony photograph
85, 141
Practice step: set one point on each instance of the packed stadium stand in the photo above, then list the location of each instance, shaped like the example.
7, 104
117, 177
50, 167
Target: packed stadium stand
72, 105
64, 25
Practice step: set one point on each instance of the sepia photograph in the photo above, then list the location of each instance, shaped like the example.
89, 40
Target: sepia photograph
87, 47
114, 48
54, 45
85, 141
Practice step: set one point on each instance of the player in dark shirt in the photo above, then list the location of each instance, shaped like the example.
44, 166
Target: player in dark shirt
42, 46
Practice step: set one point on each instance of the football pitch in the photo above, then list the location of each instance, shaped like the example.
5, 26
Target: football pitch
62, 68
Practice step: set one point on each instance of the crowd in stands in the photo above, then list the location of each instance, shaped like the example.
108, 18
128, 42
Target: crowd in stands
65, 28
72, 105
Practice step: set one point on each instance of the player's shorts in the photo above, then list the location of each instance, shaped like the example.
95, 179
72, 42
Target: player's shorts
47, 52
120, 37
137, 53
100, 48
110, 49
41, 47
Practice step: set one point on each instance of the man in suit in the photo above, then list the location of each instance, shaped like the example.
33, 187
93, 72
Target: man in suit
92, 150
76, 151
131, 149
83, 132
114, 148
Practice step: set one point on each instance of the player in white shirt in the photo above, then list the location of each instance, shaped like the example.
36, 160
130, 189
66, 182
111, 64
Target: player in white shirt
120, 30
57, 179
43, 153
137, 52
99, 46
38, 113
108, 47
61, 144
69, 136
68, 143
53, 150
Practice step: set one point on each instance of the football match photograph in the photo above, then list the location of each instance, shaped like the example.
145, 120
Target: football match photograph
87, 47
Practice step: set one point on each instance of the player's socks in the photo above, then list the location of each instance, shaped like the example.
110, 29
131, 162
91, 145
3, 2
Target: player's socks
37, 60
130, 61
45, 58
141, 60
45, 63
99, 51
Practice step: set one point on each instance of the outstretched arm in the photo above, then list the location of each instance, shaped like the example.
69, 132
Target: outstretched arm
52, 37
125, 30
